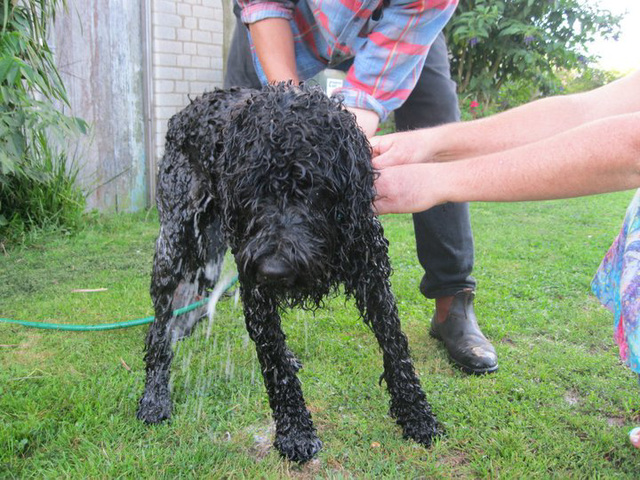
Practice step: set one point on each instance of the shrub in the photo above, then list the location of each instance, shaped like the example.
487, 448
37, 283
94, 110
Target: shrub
37, 178
522, 41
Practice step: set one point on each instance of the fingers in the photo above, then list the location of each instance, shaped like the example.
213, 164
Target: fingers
380, 163
392, 149
377, 140
386, 192
379, 202
384, 154
379, 145
381, 205
407, 189
385, 160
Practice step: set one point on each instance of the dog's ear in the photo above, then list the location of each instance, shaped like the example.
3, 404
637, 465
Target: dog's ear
236, 148
353, 169
364, 249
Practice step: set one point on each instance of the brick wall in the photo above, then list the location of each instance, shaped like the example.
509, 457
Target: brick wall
187, 51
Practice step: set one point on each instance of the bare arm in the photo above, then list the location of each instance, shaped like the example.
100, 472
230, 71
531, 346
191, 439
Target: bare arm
273, 40
368, 120
597, 157
522, 125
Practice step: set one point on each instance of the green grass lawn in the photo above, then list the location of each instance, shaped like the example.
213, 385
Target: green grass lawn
561, 405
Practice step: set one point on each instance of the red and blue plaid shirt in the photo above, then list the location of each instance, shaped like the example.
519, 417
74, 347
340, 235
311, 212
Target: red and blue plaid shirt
388, 53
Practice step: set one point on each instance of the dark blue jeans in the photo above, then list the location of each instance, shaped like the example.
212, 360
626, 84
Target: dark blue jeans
444, 240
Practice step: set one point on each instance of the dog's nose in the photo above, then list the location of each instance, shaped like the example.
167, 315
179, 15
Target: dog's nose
274, 270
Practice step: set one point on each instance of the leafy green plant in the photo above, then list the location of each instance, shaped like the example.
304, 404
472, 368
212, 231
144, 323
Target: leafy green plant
525, 42
36, 176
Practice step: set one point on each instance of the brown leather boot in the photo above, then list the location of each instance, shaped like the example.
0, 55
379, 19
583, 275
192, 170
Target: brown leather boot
468, 348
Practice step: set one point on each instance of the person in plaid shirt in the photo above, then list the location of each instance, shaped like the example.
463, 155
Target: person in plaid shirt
396, 60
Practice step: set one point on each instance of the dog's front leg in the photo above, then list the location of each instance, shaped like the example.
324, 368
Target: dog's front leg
408, 402
296, 437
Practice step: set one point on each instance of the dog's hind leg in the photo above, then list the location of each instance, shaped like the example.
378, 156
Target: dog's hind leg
183, 257
408, 403
295, 437
176, 260
155, 404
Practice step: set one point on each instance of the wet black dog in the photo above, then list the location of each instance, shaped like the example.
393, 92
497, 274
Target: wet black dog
283, 177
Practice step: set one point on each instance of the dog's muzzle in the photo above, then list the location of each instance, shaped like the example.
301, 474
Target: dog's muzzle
274, 270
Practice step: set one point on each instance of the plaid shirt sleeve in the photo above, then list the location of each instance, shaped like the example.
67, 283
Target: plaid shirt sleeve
387, 66
255, 10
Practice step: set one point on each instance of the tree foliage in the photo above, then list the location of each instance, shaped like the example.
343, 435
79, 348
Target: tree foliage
524, 42
33, 131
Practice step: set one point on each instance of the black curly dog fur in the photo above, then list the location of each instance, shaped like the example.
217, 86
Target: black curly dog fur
283, 177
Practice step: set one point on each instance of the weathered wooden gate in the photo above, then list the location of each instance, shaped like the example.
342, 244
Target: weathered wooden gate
128, 66
99, 48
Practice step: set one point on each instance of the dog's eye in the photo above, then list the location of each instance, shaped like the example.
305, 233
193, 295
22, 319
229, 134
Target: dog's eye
339, 216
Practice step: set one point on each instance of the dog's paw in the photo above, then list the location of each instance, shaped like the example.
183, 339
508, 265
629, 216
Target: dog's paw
298, 446
153, 410
422, 429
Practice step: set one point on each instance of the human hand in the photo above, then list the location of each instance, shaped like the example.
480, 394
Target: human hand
407, 188
401, 148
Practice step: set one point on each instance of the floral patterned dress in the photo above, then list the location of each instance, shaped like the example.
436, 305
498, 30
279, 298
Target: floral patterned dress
617, 285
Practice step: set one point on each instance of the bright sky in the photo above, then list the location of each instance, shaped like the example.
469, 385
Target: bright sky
623, 55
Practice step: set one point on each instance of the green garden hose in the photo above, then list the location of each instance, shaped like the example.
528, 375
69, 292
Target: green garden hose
109, 326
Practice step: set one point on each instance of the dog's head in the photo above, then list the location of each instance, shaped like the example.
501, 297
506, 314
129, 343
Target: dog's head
296, 189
